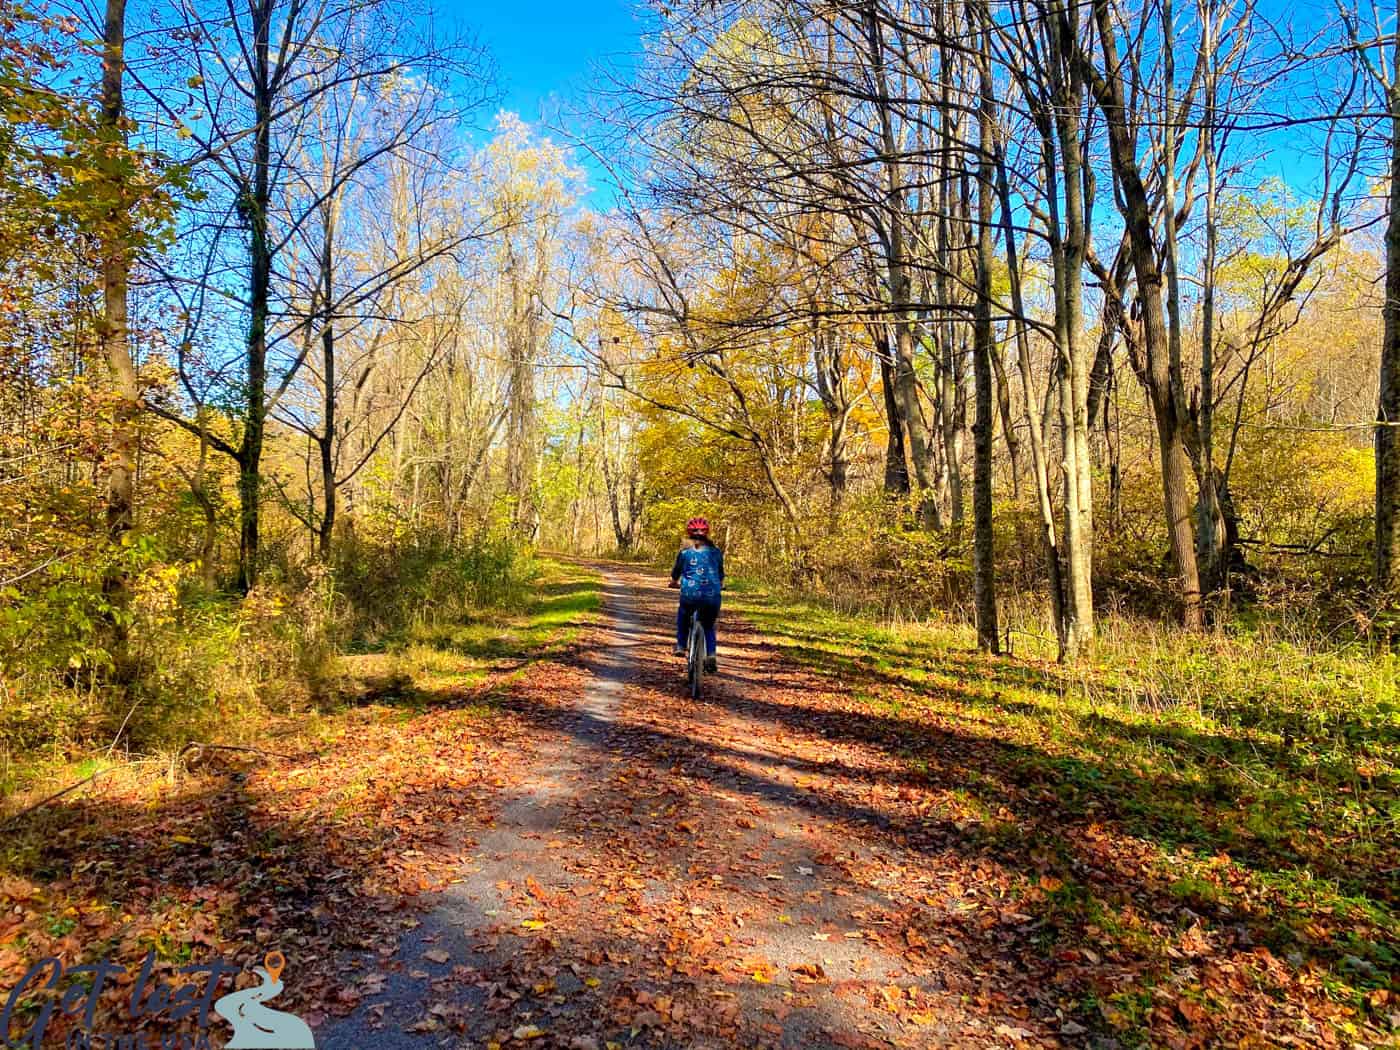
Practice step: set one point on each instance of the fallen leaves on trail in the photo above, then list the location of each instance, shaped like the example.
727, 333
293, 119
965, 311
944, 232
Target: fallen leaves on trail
988, 865
790, 855
311, 857
959, 898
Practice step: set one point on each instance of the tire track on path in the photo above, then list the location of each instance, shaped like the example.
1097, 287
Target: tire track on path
464, 920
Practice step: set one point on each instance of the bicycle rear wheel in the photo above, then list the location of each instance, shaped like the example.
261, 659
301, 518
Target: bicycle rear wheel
696, 656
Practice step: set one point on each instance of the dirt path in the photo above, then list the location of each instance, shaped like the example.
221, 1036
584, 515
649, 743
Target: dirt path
719, 873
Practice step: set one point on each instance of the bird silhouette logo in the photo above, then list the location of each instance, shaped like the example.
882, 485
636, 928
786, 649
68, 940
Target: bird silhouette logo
259, 1027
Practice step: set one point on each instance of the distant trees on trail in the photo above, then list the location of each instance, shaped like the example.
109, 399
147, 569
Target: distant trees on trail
1000, 212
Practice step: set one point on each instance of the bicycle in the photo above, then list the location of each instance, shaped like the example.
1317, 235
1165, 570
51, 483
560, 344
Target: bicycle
695, 654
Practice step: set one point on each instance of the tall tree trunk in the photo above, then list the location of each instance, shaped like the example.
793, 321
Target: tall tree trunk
1210, 524
520, 449
112, 329
1163, 386
1039, 457
983, 547
327, 439
255, 206
1171, 271
1075, 364
898, 279
950, 395
1388, 409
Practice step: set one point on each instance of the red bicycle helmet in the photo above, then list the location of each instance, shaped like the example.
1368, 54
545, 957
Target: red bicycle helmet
697, 527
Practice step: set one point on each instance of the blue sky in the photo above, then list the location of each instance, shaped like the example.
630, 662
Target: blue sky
545, 49
546, 52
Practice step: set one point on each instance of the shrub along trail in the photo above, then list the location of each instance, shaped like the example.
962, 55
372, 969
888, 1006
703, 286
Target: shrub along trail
788, 863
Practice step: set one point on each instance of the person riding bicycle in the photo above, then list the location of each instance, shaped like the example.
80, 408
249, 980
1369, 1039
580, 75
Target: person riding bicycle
699, 573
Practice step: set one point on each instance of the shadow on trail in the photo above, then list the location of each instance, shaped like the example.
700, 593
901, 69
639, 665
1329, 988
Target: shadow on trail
192, 878
1035, 840
603, 967
1042, 815
1176, 811
1047, 826
1209, 802
568, 981
1046, 820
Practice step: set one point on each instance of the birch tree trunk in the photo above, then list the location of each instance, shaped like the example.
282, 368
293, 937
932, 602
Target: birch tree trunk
1073, 351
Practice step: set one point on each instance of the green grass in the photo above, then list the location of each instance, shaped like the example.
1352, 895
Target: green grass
1247, 746
455, 653
1261, 777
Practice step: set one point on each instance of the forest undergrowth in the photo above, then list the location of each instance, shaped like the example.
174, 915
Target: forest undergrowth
308, 823
210, 667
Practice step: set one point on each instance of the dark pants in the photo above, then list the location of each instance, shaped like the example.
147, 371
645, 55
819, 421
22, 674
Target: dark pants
709, 612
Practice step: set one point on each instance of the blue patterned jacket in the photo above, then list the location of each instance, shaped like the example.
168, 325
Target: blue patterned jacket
700, 571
